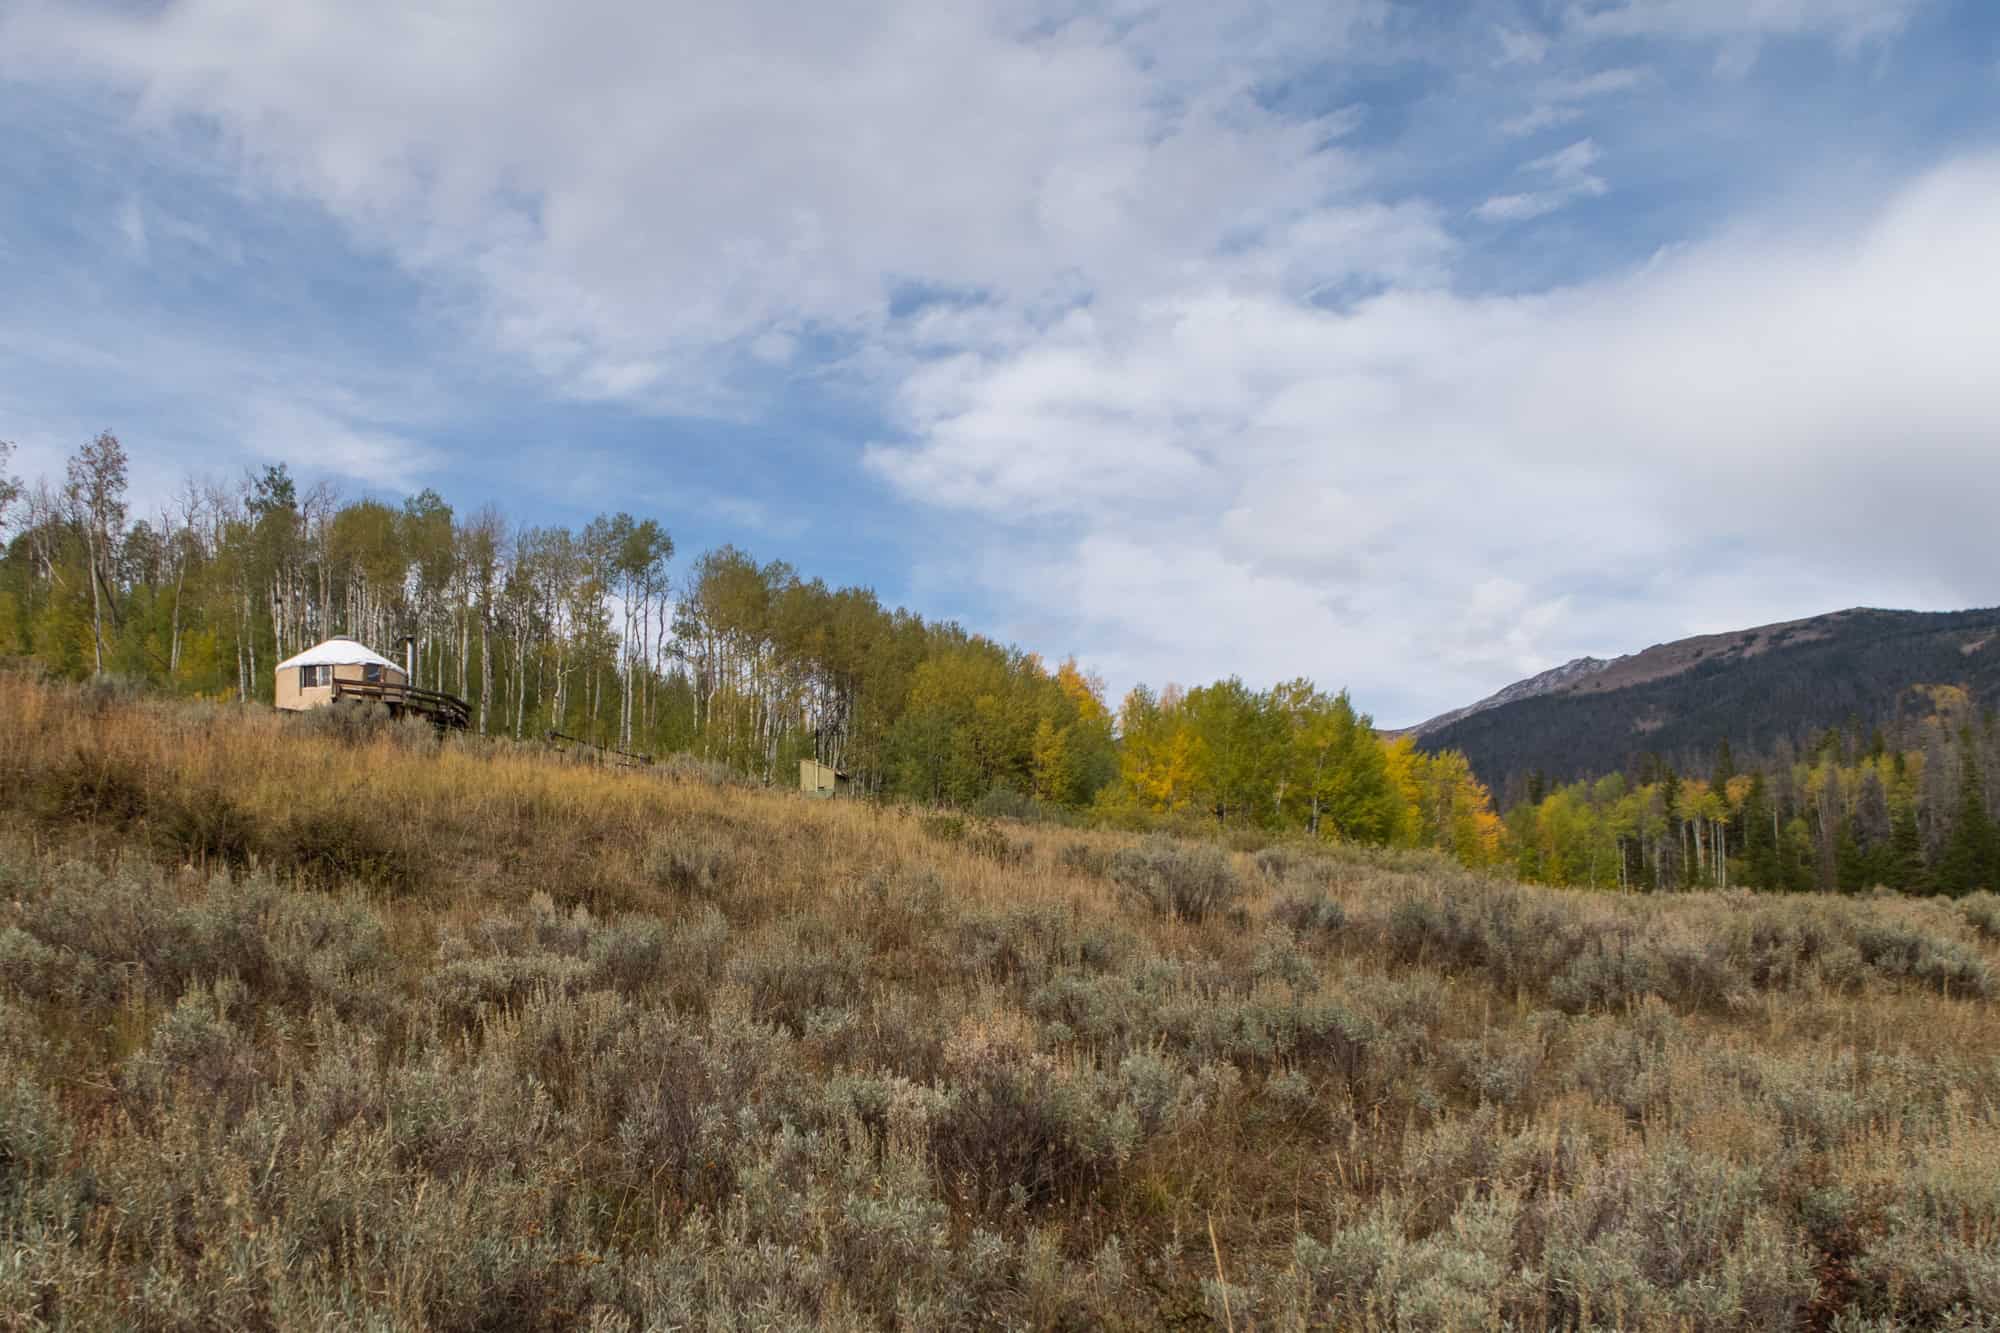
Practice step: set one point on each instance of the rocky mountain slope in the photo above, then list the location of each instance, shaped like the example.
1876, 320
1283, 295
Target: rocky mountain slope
1755, 687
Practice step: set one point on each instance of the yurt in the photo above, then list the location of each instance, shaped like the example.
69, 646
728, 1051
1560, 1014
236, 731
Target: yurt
307, 680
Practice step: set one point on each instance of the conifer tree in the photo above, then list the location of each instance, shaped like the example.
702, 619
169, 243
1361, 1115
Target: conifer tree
1725, 766
1970, 856
1850, 866
1759, 840
1906, 852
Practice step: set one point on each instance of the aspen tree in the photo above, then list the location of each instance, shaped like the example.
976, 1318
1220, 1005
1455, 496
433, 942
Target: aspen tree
96, 494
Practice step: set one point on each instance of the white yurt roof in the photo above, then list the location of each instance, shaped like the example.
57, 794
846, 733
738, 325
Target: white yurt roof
339, 652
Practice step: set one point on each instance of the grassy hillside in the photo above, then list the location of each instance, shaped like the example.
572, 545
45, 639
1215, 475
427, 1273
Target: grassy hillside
304, 1025
1755, 688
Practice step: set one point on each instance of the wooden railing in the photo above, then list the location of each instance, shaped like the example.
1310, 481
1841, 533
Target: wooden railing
609, 752
447, 710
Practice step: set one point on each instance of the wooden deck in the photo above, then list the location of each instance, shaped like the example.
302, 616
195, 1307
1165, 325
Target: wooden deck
444, 710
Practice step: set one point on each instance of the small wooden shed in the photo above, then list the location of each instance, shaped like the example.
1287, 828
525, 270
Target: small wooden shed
307, 681
817, 779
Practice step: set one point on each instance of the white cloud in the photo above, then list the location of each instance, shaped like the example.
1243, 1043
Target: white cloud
1602, 83
132, 227
1571, 165
637, 196
313, 440
195, 394
1520, 48
1538, 118
1519, 207
1428, 494
1558, 98
1570, 178
1849, 22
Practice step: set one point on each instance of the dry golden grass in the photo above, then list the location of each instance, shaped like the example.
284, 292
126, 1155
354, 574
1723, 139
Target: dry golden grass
305, 1024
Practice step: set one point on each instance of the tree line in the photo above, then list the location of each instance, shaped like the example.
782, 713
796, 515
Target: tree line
597, 632
1912, 806
585, 631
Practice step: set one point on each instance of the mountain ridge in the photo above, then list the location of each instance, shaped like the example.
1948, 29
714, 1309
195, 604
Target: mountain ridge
1752, 686
1544, 682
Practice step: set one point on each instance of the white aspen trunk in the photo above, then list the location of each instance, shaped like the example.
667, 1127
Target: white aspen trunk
243, 649
559, 709
249, 647
625, 685
96, 601
644, 722
541, 673
652, 662
174, 642
485, 672
520, 679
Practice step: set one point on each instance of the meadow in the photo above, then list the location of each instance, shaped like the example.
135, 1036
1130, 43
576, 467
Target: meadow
317, 1022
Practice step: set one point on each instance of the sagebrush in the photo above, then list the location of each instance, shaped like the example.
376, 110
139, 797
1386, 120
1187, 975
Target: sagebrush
322, 1027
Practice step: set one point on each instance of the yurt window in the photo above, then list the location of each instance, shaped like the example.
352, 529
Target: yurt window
371, 672
310, 676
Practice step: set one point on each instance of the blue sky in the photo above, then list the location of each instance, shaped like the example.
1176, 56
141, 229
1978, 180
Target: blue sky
1412, 347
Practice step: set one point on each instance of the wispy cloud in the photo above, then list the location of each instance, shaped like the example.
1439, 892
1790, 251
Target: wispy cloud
1559, 101
1599, 84
1571, 166
132, 226
1848, 22
1543, 117
1519, 207
1520, 47
1570, 178
290, 431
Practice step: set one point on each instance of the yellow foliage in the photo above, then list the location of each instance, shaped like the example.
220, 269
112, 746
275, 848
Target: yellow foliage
1085, 692
1050, 757
1166, 772
1444, 804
